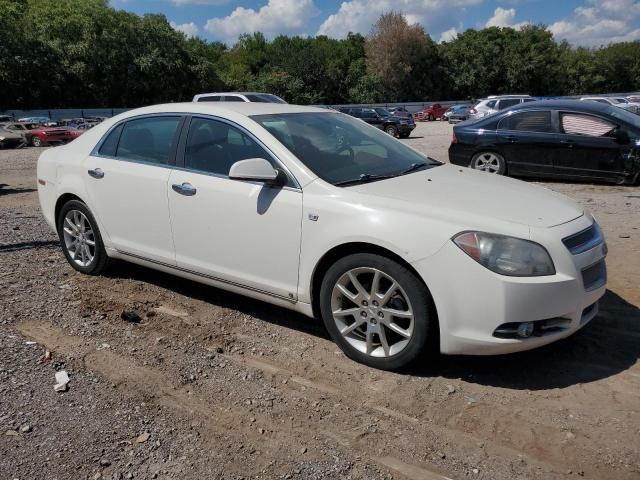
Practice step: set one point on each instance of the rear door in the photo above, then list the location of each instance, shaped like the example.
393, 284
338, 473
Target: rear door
529, 141
588, 149
126, 177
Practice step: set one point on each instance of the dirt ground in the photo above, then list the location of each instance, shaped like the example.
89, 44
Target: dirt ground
214, 385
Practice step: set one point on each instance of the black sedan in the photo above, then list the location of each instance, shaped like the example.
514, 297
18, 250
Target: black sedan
561, 139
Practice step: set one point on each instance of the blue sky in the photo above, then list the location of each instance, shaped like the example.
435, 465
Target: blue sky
581, 22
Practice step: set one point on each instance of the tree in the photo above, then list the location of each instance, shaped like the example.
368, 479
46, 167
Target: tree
404, 58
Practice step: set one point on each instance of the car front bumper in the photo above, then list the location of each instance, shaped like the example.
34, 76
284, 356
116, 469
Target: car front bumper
472, 301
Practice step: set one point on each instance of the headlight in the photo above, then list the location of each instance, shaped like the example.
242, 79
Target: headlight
1, 139
506, 255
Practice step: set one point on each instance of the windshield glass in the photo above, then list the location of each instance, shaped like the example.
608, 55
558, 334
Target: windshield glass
619, 100
339, 148
625, 116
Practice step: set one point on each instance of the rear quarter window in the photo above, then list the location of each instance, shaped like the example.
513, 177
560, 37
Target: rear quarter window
110, 143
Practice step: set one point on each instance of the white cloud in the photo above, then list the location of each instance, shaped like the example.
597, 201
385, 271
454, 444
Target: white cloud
189, 29
504, 17
360, 15
449, 35
276, 17
600, 22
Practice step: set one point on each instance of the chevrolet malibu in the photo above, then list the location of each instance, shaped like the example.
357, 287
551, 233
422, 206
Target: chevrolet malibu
316, 211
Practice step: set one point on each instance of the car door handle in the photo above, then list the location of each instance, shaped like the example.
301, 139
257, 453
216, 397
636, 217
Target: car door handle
512, 138
96, 173
185, 189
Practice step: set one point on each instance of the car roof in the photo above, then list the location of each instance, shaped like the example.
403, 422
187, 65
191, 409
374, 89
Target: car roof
214, 108
235, 93
594, 107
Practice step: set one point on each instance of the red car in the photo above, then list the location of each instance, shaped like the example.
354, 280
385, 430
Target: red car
43, 136
431, 112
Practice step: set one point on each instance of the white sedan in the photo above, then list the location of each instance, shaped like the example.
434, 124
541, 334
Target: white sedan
318, 212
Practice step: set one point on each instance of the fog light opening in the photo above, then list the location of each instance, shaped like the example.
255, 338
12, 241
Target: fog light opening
525, 329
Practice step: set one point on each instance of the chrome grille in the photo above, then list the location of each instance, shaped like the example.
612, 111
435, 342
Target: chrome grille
585, 240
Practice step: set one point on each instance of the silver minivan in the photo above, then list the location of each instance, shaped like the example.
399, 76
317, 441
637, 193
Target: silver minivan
495, 103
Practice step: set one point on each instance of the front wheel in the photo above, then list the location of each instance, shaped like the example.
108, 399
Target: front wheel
377, 311
391, 130
36, 142
490, 162
80, 238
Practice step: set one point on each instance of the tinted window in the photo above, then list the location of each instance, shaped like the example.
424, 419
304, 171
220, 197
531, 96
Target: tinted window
214, 146
525, 100
370, 113
232, 98
211, 98
491, 104
508, 102
111, 142
581, 124
148, 139
257, 98
539, 121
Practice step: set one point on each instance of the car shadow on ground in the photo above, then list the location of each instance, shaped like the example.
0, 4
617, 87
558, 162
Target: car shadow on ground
608, 345
9, 191
12, 247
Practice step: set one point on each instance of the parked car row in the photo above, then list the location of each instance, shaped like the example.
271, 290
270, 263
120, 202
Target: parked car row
42, 131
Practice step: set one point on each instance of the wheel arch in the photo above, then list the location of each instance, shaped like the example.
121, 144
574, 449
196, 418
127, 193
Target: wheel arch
342, 250
62, 199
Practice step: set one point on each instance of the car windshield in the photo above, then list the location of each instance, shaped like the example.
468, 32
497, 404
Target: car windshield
625, 116
620, 100
341, 149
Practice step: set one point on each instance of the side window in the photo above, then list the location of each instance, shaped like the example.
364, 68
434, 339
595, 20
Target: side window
210, 98
110, 144
525, 100
232, 98
368, 113
148, 139
581, 124
539, 121
508, 102
213, 146
492, 104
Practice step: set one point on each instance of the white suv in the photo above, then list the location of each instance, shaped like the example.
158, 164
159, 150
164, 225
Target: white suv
321, 213
238, 97
496, 103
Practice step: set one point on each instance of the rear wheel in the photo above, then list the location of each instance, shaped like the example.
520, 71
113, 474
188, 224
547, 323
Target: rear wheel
377, 311
80, 238
431, 118
490, 162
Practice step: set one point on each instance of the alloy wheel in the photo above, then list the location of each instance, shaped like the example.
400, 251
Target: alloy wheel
487, 162
79, 238
372, 312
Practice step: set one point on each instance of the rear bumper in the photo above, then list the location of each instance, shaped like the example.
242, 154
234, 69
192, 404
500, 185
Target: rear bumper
460, 155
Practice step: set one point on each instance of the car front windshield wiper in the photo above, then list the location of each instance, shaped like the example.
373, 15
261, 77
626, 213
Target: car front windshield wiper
420, 165
363, 178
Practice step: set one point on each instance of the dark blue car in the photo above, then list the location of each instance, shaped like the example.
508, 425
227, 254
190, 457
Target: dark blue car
557, 138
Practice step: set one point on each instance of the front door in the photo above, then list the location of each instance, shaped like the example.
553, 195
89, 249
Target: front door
589, 150
127, 180
243, 233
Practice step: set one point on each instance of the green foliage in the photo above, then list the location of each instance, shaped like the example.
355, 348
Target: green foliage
84, 53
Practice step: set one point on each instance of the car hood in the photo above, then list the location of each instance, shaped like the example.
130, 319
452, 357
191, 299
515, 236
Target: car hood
458, 192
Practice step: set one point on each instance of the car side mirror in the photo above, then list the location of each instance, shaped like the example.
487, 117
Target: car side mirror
256, 170
621, 137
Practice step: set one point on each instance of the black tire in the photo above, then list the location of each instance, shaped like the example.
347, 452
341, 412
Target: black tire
431, 118
425, 331
404, 135
36, 142
391, 130
493, 162
100, 259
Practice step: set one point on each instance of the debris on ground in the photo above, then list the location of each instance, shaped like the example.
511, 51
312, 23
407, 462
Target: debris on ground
62, 379
130, 316
143, 437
